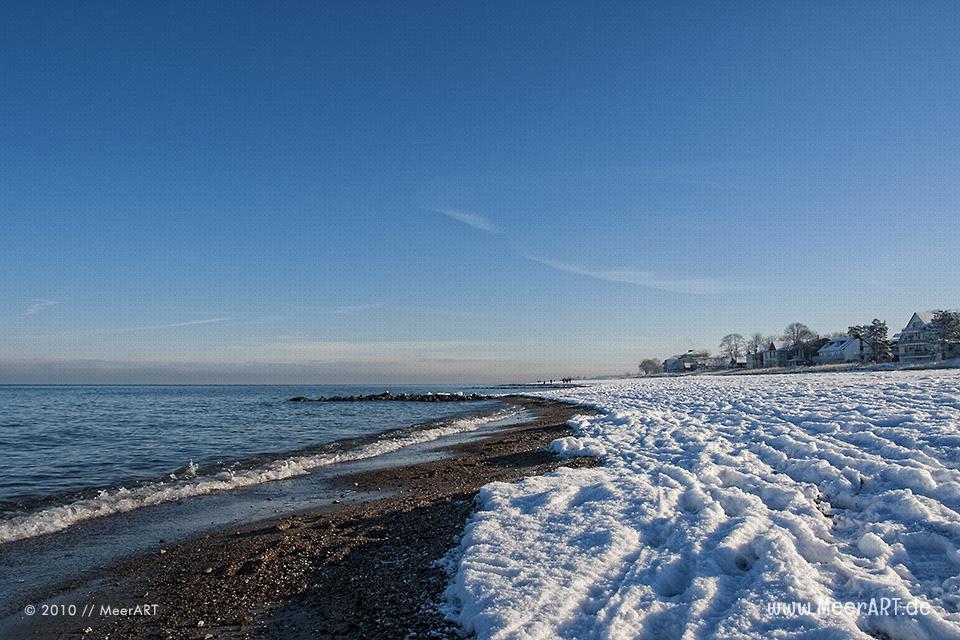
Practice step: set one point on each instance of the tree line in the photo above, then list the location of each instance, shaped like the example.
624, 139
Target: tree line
946, 325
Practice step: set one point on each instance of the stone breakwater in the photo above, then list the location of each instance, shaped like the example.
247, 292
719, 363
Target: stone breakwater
401, 397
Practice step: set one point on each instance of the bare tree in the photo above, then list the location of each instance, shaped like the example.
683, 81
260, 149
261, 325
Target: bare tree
757, 343
732, 346
797, 333
651, 366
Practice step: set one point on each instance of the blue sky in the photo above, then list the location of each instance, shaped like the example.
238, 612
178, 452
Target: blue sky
367, 192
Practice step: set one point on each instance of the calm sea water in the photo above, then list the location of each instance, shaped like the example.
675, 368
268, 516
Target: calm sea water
58, 442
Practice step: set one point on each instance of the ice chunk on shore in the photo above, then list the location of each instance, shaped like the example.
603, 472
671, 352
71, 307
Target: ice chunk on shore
872, 545
570, 446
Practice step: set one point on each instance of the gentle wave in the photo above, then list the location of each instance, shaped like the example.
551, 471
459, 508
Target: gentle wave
113, 501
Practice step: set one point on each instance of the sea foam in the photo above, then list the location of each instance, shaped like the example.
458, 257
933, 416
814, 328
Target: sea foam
113, 501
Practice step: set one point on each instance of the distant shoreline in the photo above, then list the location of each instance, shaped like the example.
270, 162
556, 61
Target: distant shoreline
843, 367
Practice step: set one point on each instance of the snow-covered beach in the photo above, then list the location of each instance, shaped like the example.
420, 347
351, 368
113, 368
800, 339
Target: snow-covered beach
795, 506
801, 506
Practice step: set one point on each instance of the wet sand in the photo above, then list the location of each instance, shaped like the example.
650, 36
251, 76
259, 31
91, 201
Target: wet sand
362, 570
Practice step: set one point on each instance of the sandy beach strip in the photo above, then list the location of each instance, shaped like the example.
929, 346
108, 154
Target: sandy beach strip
362, 570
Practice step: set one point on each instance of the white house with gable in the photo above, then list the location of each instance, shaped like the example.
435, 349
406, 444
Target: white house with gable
844, 349
918, 340
689, 361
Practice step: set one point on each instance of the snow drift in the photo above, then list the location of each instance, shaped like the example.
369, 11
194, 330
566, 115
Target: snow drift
798, 506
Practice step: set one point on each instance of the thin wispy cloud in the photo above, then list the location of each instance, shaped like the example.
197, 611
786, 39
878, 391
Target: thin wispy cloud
293, 350
357, 308
37, 304
107, 332
265, 320
189, 323
649, 279
468, 218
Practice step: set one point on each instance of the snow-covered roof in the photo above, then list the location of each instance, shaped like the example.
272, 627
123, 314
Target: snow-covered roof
689, 354
779, 345
926, 317
836, 344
